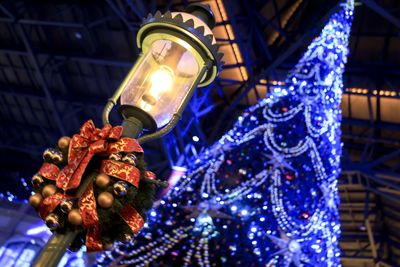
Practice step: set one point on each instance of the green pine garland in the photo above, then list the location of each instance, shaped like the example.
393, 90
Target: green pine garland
113, 227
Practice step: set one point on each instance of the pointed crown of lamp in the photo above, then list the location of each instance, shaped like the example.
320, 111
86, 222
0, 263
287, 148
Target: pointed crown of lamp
192, 29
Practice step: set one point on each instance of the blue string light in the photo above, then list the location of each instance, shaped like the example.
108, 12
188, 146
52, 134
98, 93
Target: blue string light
266, 193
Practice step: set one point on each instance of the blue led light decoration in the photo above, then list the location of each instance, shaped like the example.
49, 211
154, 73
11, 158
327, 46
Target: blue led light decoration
266, 193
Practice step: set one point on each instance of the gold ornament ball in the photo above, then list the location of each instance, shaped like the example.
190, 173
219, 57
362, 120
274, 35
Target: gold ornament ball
52, 221
120, 189
102, 180
49, 190
57, 157
66, 206
48, 154
130, 159
107, 246
115, 156
53, 155
105, 200
35, 200
74, 217
127, 237
37, 180
63, 142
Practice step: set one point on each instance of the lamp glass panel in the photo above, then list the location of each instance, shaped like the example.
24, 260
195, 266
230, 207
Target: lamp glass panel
162, 80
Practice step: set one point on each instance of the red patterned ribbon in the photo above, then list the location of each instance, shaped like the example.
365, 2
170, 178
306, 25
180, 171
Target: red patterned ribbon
150, 175
128, 145
50, 203
122, 171
83, 147
49, 171
90, 220
132, 218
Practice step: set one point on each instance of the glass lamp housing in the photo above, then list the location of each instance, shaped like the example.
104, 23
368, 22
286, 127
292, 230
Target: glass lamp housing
162, 78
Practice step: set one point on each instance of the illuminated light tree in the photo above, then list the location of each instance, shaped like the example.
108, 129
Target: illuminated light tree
266, 193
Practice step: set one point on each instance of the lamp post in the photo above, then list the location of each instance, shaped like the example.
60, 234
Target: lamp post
178, 54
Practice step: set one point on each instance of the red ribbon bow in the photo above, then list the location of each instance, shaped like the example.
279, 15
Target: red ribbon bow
83, 147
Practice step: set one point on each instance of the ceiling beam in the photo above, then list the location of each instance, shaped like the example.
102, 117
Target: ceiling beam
7, 12
385, 158
16, 92
120, 15
382, 12
75, 58
40, 78
36, 151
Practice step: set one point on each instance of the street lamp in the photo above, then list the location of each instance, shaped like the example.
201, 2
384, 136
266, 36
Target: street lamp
179, 53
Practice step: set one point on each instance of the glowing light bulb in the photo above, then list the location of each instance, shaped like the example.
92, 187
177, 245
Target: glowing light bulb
161, 81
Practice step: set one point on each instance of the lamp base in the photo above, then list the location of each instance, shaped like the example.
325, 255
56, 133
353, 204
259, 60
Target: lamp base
131, 113
132, 127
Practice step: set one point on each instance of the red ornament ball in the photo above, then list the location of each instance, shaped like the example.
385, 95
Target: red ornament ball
290, 176
284, 109
305, 215
175, 253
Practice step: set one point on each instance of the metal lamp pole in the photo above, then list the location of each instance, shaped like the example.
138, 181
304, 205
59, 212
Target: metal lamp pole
156, 90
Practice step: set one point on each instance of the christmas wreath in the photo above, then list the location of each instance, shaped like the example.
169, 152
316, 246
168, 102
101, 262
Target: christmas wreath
95, 183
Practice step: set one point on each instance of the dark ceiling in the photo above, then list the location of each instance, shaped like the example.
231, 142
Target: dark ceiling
61, 60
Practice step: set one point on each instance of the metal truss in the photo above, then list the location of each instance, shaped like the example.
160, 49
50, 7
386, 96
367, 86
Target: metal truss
369, 219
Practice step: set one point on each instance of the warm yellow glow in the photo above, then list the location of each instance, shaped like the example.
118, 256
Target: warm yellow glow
161, 81
222, 9
229, 31
364, 91
243, 72
237, 53
263, 81
284, 20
